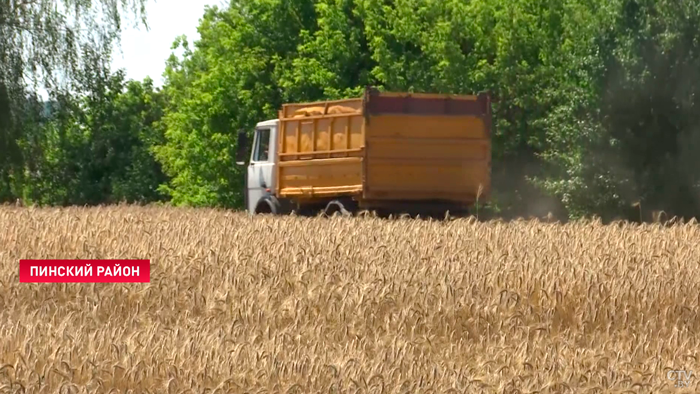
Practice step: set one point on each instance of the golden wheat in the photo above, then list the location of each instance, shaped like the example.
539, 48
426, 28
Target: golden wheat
304, 305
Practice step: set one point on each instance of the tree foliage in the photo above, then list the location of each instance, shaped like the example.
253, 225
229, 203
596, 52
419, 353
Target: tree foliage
594, 101
45, 44
96, 148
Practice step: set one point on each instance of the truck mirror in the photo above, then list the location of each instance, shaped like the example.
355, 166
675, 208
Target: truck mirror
242, 148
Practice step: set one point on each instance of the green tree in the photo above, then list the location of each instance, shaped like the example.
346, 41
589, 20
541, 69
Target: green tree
247, 64
594, 101
96, 147
632, 135
228, 83
44, 42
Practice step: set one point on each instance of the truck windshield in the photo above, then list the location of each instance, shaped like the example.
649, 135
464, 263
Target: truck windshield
262, 145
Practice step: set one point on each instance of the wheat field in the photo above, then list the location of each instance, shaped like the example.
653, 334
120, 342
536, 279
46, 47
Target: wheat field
349, 305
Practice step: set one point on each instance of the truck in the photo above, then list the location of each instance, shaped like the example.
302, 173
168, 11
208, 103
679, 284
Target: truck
384, 152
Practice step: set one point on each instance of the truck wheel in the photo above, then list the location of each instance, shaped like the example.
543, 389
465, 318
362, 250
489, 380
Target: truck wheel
336, 206
268, 205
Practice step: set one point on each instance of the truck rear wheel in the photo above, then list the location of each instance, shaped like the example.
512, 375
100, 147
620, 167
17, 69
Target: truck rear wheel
344, 208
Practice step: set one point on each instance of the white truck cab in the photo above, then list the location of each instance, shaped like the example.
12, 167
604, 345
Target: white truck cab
260, 177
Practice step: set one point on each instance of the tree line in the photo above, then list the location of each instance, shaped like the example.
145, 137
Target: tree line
595, 101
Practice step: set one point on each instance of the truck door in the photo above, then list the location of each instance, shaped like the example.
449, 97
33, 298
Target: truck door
261, 167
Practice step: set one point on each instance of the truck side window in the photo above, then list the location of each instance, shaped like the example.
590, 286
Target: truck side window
262, 145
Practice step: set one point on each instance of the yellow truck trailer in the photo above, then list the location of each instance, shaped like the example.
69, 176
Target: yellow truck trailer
385, 152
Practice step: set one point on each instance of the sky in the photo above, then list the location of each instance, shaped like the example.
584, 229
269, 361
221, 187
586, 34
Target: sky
143, 53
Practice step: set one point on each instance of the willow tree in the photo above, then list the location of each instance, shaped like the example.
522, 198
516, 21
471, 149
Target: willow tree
47, 44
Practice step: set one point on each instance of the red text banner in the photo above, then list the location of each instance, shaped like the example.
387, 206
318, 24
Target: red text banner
84, 271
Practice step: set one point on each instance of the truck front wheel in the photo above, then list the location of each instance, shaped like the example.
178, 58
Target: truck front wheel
268, 205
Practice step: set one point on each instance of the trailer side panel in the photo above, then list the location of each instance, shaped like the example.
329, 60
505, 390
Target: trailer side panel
428, 147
